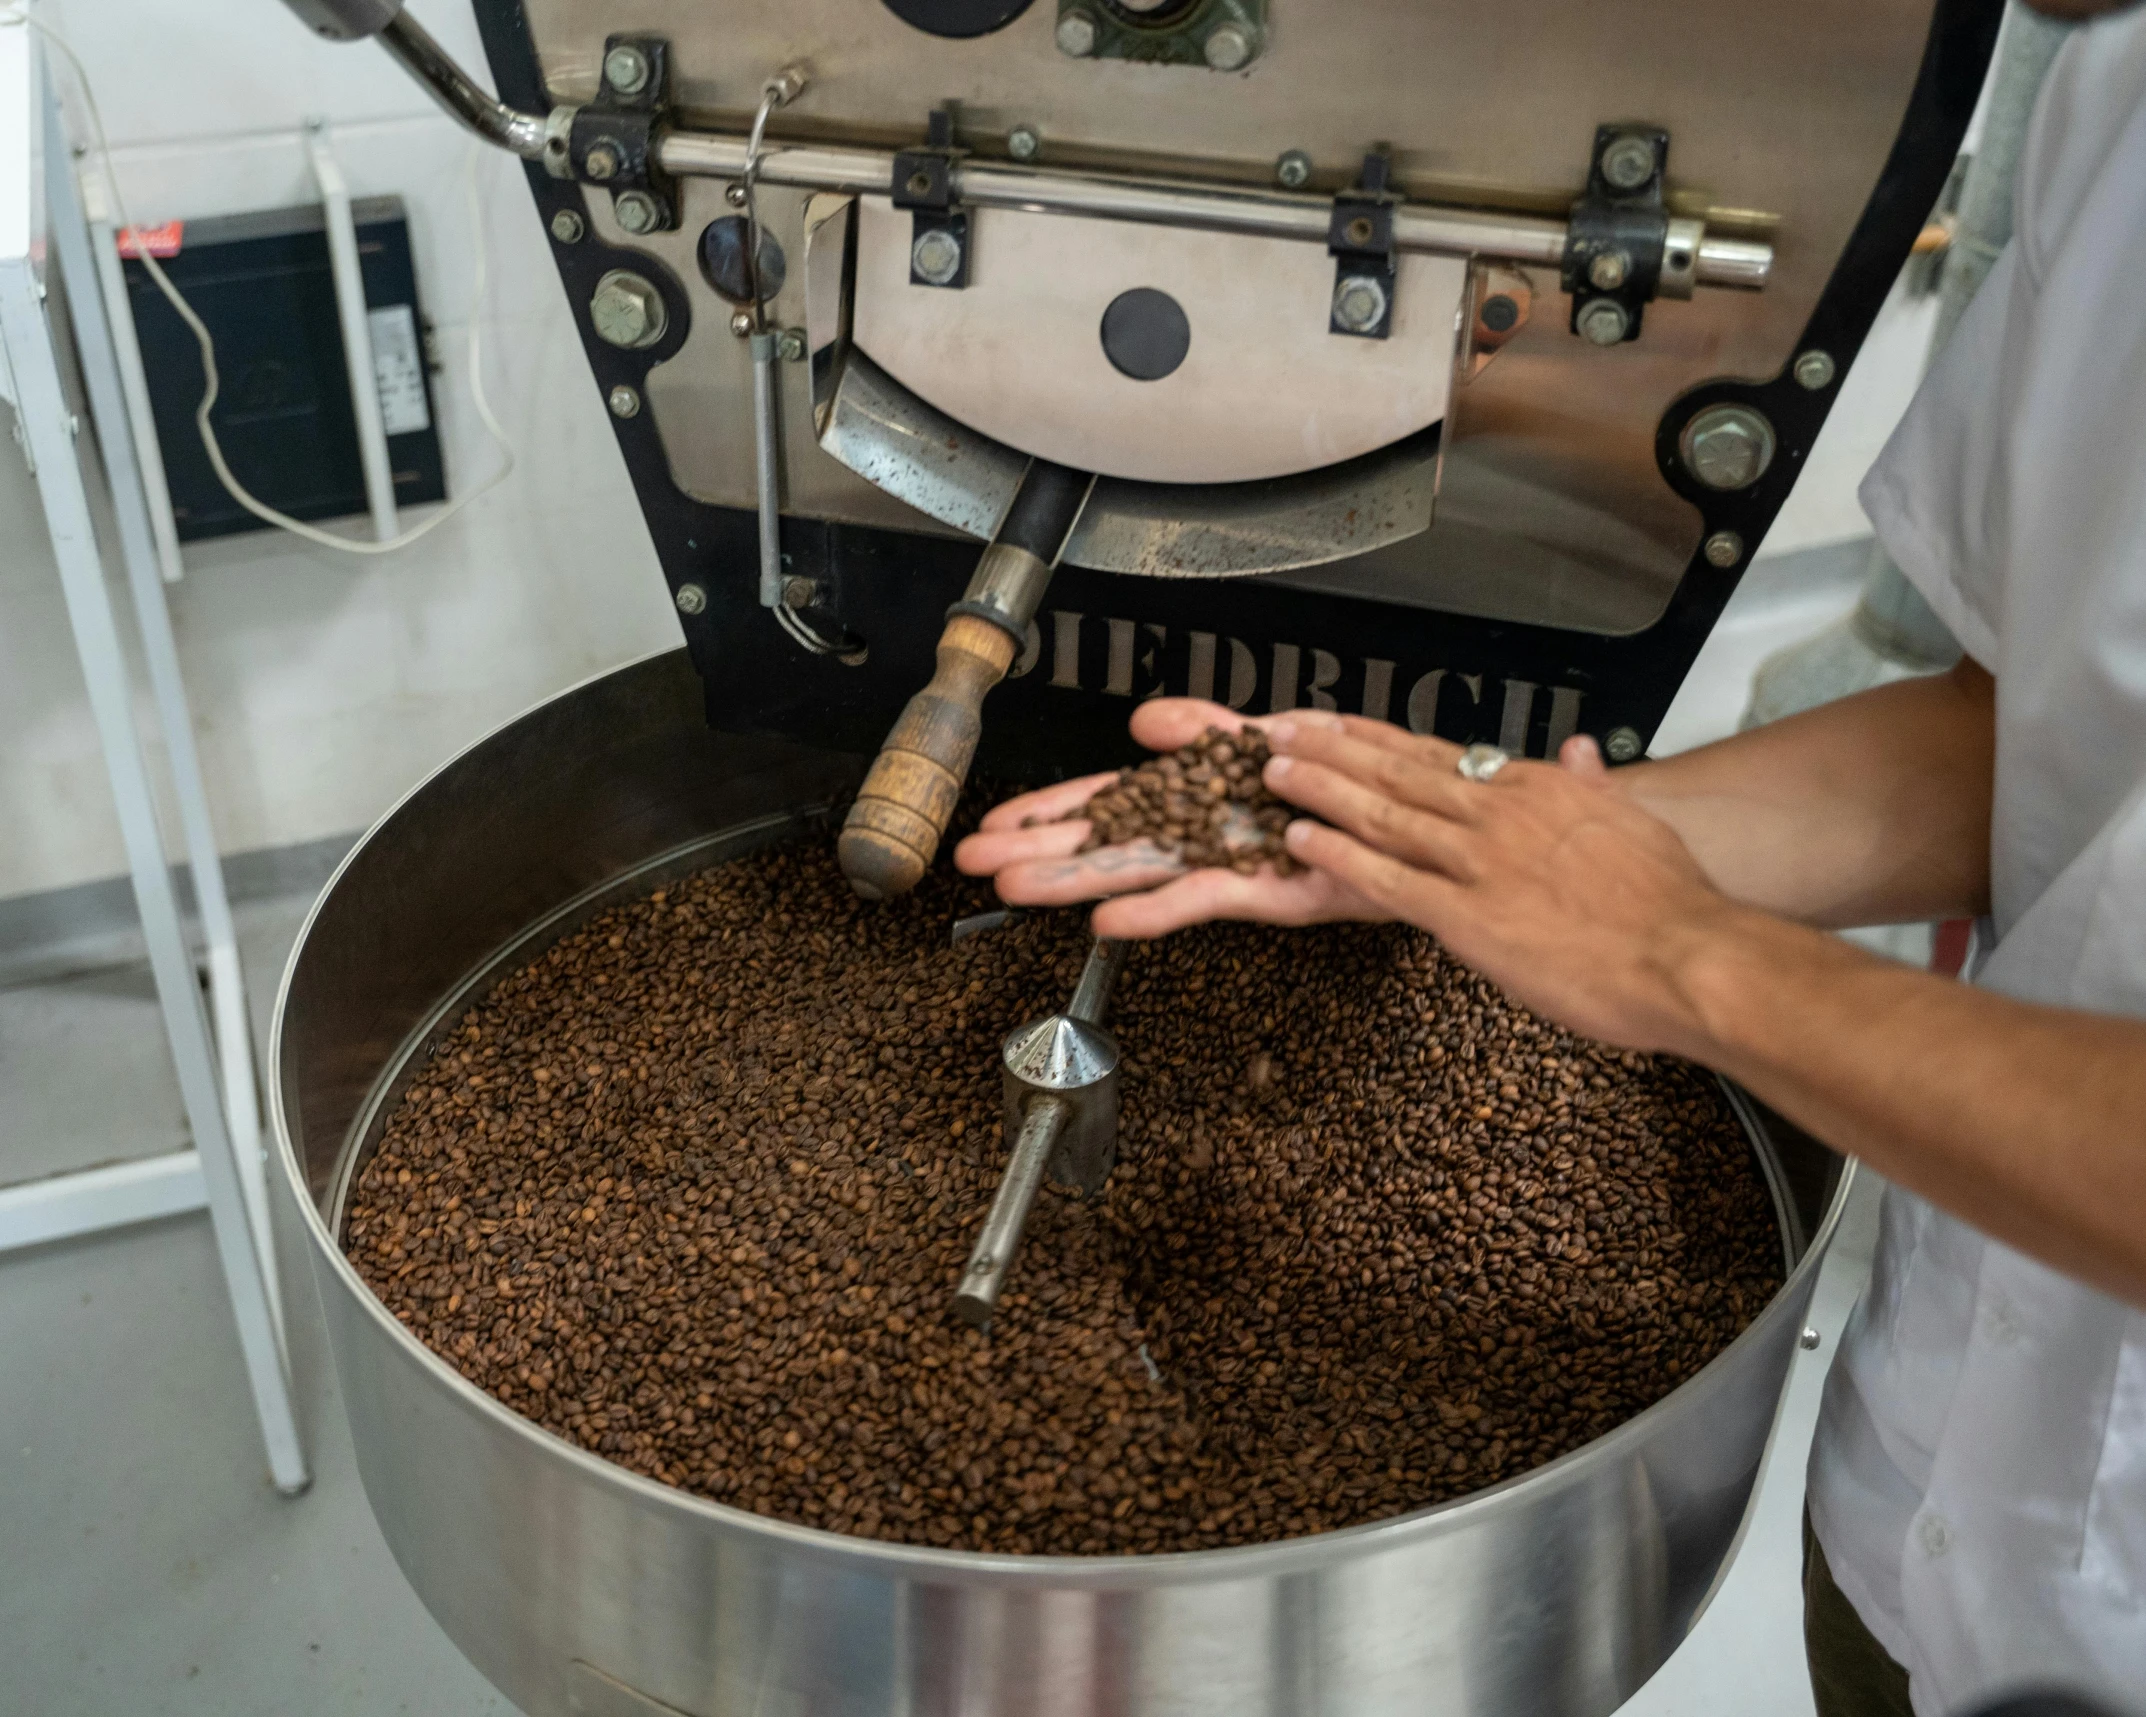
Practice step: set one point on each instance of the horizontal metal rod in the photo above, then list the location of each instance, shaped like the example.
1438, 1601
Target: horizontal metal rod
1162, 202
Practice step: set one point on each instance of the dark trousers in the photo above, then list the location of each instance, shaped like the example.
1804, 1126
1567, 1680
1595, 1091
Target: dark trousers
1852, 1675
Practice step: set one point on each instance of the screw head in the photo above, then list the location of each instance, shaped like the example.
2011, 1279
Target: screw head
601, 162
936, 256
1724, 549
790, 346
1293, 169
567, 227
1727, 446
1024, 143
636, 212
1606, 273
1628, 162
734, 195
1604, 322
1359, 303
1622, 745
626, 70
1228, 47
627, 310
799, 591
741, 323
1076, 34
1809, 1340
625, 402
691, 599
1815, 370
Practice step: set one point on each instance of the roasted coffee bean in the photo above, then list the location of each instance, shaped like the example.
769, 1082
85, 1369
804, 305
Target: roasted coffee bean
692, 1189
1205, 804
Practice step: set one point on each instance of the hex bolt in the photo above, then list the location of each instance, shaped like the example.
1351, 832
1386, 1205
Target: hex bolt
1606, 273
568, 227
627, 310
799, 591
691, 599
1292, 170
1628, 162
1228, 47
1810, 1340
936, 256
1359, 303
1727, 446
734, 195
601, 162
1622, 745
1815, 370
636, 212
625, 402
790, 346
626, 69
1024, 143
1604, 322
1724, 549
1076, 34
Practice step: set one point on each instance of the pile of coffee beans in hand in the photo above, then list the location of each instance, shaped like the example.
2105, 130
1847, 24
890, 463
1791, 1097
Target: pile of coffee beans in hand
1205, 804
693, 1187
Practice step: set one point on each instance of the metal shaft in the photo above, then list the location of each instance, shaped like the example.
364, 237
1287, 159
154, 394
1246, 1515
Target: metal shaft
767, 452
981, 1282
522, 134
1091, 996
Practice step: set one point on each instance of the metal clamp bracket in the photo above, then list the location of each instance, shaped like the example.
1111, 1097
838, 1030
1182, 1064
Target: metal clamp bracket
923, 183
1618, 235
614, 142
1360, 238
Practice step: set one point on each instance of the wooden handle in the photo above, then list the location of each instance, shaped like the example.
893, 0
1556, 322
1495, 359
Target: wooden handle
894, 828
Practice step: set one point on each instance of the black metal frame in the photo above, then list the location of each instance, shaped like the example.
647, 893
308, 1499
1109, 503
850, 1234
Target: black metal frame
1138, 635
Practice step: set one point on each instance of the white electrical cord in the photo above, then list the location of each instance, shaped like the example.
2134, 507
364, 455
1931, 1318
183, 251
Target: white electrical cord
253, 504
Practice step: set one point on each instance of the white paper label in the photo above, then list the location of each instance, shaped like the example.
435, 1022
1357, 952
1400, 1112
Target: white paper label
399, 369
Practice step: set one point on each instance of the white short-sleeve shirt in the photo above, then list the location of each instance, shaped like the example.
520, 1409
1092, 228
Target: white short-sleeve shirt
1979, 1480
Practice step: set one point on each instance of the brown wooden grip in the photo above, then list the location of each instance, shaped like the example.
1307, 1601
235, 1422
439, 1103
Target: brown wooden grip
894, 828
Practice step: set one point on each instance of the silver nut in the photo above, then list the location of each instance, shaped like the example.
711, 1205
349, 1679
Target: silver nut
1293, 170
936, 256
601, 162
1628, 162
799, 591
1606, 273
735, 196
627, 310
1076, 34
625, 402
1810, 1340
636, 212
626, 70
1815, 370
1604, 322
790, 346
1724, 549
1727, 446
691, 599
567, 227
1228, 47
741, 323
1359, 303
1024, 143
1622, 745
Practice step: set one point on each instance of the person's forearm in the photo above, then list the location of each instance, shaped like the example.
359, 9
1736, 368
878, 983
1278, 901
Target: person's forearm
2028, 1122
1872, 810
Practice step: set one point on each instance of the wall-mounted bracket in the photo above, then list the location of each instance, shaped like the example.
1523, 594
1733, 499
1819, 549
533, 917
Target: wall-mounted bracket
1359, 236
1616, 240
923, 183
613, 143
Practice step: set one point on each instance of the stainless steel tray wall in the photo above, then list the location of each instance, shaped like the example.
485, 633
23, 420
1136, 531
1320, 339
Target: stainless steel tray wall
580, 1588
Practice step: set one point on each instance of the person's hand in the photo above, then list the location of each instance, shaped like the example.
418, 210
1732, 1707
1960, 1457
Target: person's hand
1546, 878
1035, 858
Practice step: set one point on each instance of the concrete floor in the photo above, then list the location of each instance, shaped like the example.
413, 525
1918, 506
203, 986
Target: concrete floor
149, 1567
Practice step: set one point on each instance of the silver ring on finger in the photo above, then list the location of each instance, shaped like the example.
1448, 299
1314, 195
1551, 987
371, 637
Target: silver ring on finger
1481, 762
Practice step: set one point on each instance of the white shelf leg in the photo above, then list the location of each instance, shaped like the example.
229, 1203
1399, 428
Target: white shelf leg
357, 331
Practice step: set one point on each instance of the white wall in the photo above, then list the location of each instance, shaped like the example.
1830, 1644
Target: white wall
325, 685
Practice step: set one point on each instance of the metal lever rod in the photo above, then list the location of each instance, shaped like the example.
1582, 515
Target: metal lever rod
992, 1255
1091, 996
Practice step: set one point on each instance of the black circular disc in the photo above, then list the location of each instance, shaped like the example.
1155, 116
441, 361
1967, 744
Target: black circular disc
958, 17
722, 260
1145, 334
1500, 312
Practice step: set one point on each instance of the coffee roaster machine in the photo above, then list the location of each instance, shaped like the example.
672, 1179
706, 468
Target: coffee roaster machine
1439, 362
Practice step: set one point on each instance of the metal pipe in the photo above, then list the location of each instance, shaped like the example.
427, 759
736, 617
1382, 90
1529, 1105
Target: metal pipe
768, 469
1091, 996
522, 134
1041, 1123
344, 269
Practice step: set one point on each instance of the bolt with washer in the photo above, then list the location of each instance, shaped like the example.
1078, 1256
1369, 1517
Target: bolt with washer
1228, 47
799, 591
1608, 270
936, 256
1293, 169
1628, 162
568, 227
626, 310
790, 346
1815, 370
1724, 549
1604, 322
625, 402
1024, 143
691, 599
1727, 446
1359, 303
1076, 34
626, 69
1622, 745
636, 212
